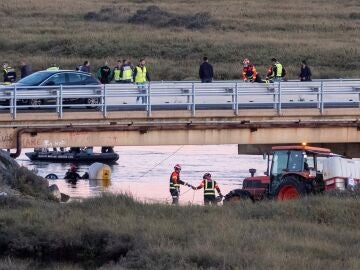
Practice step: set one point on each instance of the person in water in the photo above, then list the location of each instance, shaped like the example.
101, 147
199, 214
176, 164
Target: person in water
72, 174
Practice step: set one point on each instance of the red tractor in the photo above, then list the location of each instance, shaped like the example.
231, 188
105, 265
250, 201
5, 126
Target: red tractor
295, 171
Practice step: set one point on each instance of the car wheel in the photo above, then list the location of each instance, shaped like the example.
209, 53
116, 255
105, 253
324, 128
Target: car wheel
92, 101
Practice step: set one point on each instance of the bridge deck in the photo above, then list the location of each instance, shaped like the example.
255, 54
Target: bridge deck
182, 113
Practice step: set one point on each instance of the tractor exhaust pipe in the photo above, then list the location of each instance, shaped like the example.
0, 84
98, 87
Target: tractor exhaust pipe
252, 172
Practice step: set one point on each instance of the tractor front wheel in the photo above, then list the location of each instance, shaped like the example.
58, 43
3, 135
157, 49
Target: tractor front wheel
238, 195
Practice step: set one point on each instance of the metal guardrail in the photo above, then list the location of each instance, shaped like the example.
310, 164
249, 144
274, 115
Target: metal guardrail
192, 96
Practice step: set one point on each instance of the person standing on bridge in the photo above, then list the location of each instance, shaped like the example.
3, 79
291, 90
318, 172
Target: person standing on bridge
141, 76
117, 68
104, 74
206, 72
305, 72
209, 187
175, 183
85, 67
126, 72
9, 74
25, 69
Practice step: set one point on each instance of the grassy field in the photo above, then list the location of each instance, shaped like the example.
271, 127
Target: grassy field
174, 35
117, 233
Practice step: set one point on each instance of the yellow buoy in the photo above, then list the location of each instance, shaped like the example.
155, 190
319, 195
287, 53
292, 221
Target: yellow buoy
99, 171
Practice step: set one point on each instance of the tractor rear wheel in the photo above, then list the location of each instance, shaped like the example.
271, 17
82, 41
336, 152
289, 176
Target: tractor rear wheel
290, 188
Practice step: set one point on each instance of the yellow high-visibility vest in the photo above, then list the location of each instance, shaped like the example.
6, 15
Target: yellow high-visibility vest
279, 68
140, 75
128, 73
117, 74
209, 187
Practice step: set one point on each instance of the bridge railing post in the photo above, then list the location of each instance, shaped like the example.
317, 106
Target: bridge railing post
57, 105
232, 91
104, 101
148, 102
60, 104
188, 98
279, 98
193, 99
236, 99
321, 97
274, 95
102, 104
13, 103
318, 93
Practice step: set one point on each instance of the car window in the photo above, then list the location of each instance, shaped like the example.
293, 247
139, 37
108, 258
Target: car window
56, 79
78, 78
35, 78
91, 80
75, 78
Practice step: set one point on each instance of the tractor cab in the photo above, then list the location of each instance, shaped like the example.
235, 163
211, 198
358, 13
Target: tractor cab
294, 170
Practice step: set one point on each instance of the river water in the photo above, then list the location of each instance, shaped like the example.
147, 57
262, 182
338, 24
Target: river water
144, 172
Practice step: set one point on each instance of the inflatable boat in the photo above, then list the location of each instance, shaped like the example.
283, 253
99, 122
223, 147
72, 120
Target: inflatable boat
76, 157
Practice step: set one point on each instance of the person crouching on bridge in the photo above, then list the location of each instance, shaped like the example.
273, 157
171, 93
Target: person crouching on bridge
249, 72
175, 183
209, 186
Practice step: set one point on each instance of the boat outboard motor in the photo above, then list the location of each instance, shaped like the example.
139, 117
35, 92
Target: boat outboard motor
252, 172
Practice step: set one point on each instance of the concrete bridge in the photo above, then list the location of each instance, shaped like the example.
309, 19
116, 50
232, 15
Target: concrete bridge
257, 122
258, 128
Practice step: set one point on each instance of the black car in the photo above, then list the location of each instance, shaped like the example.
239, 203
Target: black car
66, 78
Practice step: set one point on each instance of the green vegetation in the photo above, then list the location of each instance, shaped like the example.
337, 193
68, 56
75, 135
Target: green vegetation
115, 232
19, 181
28, 183
174, 35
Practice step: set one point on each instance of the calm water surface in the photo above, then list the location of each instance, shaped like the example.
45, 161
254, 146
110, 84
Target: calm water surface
144, 172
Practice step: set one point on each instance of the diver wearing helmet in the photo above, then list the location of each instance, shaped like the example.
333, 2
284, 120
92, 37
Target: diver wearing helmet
175, 183
249, 73
209, 186
72, 174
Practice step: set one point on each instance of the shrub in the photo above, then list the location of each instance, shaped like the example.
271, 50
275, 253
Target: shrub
354, 16
92, 247
110, 14
31, 184
153, 15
